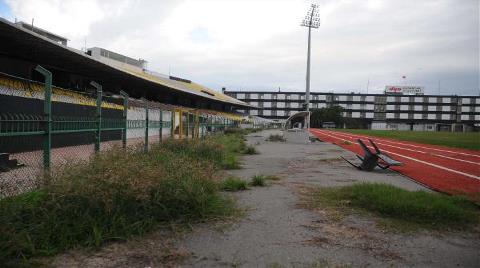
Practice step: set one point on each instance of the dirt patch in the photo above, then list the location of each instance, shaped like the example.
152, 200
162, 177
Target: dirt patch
154, 250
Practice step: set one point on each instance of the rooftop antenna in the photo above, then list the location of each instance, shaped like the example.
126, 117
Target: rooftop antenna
312, 20
33, 30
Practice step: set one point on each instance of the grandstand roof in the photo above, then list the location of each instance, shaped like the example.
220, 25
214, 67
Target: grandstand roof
23, 44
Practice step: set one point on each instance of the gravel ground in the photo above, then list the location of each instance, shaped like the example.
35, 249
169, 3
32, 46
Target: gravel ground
277, 232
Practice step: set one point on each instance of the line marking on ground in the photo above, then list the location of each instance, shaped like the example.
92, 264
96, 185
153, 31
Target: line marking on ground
413, 159
418, 146
382, 143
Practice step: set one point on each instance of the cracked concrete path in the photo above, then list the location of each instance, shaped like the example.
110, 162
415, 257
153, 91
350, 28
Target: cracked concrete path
277, 232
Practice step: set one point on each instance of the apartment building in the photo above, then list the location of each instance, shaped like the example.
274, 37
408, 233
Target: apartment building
376, 111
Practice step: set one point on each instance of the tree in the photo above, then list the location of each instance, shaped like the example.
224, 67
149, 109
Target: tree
331, 114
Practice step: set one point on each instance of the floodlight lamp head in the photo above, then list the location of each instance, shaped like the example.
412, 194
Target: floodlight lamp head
312, 19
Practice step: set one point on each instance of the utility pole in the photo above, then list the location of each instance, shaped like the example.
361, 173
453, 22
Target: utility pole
312, 20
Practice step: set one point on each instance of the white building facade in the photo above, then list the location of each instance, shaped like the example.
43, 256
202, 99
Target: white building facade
375, 111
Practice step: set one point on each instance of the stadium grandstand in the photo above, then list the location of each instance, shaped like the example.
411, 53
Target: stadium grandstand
22, 48
96, 99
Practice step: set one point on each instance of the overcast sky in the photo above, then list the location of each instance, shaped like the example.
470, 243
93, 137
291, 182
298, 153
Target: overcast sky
259, 45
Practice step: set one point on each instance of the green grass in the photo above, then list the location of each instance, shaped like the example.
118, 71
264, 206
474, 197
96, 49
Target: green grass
233, 184
400, 208
258, 180
469, 140
116, 195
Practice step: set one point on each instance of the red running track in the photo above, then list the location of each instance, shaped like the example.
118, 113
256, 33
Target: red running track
449, 170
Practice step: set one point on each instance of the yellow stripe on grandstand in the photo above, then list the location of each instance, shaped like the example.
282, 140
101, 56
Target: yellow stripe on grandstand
35, 90
179, 85
27, 89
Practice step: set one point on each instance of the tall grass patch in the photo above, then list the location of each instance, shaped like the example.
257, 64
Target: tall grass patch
258, 180
415, 208
233, 184
115, 195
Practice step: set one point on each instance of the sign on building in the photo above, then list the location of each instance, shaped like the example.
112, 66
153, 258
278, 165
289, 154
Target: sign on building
409, 90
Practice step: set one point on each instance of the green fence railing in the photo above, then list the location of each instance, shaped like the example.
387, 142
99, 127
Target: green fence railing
86, 134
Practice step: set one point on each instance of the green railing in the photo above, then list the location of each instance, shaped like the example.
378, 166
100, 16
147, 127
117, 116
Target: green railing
193, 125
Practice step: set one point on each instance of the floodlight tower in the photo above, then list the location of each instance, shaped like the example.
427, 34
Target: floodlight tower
312, 20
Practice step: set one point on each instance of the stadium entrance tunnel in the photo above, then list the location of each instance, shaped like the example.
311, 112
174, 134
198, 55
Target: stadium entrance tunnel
296, 120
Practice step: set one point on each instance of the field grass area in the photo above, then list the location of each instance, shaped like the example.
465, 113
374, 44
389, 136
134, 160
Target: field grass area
469, 140
118, 194
397, 207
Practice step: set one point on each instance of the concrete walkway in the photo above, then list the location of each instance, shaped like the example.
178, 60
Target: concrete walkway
277, 232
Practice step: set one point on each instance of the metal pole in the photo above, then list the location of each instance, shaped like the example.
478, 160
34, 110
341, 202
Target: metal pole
197, 125
146, 125
307, 97
161, 127
98, 115
180, 124
172, 122
312, 20
188, 125
125, 113
47, 113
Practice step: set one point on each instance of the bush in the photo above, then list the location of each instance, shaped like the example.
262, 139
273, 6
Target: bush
115, 195
258, 180
238, 131
234, 184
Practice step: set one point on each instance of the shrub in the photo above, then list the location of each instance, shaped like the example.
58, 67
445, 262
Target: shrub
115, 195
234, 184
258, 180
238, 131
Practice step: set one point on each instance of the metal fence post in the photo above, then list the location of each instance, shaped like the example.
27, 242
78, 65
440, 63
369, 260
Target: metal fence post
188, 125
180, 124
98, 115
125, 111
172, 122
146, 125
197, 125
47, 113
161, 127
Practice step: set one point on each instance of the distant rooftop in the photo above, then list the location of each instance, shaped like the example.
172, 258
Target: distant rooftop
57, 38
98, 53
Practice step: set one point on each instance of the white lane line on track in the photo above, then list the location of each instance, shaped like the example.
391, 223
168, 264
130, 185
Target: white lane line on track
381, 142
413, 159
417, 146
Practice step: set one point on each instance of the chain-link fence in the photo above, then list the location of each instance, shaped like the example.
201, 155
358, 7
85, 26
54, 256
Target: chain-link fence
43, 128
